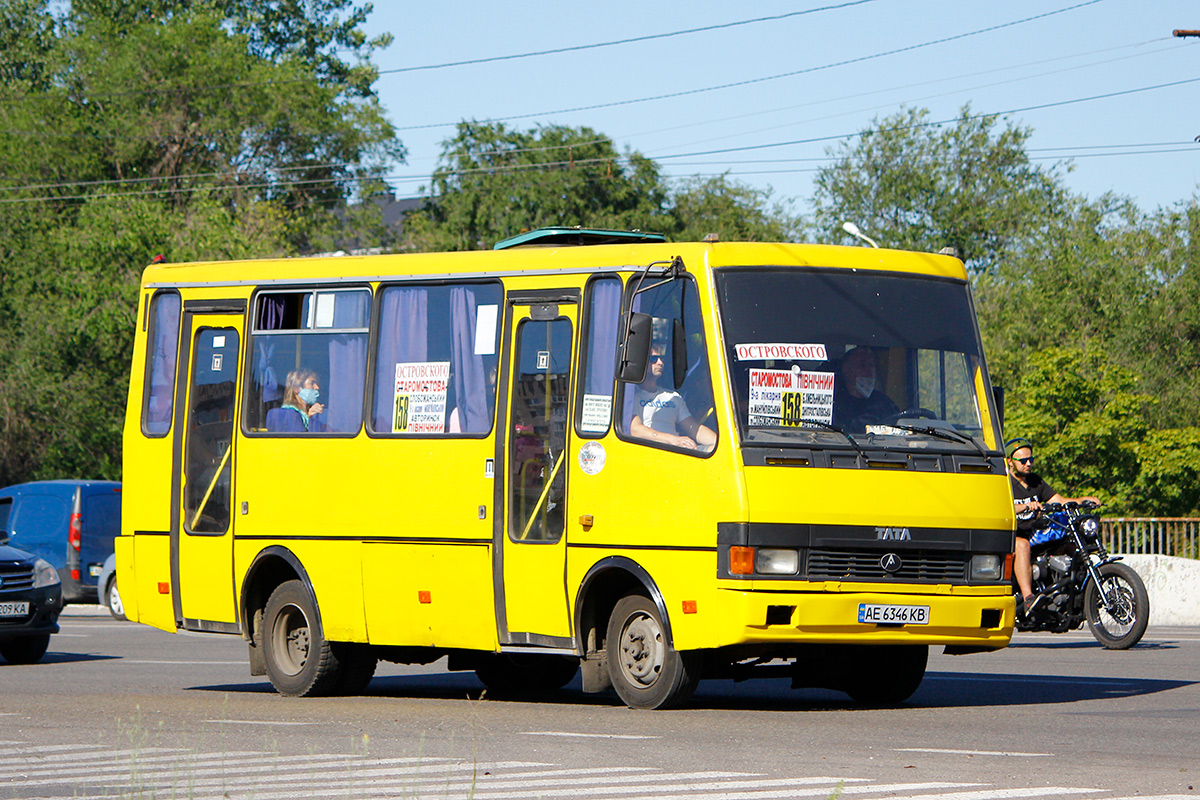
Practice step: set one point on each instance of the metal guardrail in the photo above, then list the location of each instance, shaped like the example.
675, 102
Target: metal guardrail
1168, 536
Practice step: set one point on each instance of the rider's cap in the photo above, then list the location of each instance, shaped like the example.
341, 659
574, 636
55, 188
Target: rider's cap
1013, 445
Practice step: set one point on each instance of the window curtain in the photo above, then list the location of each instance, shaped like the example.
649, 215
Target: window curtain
470, 374
164, 350
403, 337
347, 364
602, 337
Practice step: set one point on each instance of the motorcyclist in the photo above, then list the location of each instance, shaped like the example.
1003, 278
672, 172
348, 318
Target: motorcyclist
1029, 493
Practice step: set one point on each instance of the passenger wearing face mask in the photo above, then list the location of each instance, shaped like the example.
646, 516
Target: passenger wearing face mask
857, 401
300, 407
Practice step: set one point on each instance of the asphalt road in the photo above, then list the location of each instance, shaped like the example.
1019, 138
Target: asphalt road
123, 710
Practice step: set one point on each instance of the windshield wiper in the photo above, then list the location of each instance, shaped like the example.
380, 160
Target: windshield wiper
830, 427
948, 434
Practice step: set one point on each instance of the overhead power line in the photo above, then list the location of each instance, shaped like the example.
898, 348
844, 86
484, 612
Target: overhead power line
614, 43
763, 79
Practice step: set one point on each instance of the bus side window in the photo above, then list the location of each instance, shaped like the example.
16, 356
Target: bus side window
435, 362
675, 405
310, 333
602, 321
163, 342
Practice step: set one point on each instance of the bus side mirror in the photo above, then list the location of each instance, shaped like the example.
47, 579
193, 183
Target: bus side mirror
678, 354
635, 350
998, 401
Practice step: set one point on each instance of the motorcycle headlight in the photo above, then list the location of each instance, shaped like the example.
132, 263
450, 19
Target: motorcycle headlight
44, 574
1089, 527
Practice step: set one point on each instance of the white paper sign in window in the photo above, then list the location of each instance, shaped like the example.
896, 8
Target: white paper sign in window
597, 411
788, 397
485, 330
420, 397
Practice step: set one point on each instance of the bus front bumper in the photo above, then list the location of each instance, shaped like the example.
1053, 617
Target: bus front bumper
969, 617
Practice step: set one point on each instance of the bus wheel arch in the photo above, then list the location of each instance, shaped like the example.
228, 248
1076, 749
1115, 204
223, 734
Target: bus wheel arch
610, 581
271, 568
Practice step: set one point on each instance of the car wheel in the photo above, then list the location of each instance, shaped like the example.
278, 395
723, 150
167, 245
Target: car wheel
112, 599
25, 649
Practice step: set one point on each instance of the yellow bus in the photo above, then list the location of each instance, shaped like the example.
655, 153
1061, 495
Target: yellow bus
583, 452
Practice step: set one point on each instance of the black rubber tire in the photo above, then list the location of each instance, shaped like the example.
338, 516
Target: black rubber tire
356, 667
25, 649
1122, 628
885, 675
300, 663
516, 674
112, 599
646, 670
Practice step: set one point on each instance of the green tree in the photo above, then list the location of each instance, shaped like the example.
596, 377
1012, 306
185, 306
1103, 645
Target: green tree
915, 185
732, 210
1086, 418
208, 129
494, 182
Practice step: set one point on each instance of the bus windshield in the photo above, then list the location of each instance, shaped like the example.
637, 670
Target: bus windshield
885, 358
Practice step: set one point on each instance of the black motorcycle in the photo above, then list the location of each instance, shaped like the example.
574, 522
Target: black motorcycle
1075, 579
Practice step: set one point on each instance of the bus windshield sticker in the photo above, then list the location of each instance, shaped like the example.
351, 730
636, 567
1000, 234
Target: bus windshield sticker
485, 330
785, 397
597, 411
784, 352
420, 404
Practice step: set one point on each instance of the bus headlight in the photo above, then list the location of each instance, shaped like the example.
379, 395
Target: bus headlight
772, 561
987, 568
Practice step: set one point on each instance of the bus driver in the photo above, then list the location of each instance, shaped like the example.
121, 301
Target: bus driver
661, 415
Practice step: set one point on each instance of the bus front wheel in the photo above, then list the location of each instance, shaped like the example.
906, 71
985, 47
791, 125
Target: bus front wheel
300, 663
646, 670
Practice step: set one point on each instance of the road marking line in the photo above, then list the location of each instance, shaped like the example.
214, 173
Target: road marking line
588, 735
665, 789
149, 765
256, 722
22, 755
969, 752
1027, 679
999, 794
185, 663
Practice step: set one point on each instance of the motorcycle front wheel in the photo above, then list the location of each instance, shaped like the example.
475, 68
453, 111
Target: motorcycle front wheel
1120, 624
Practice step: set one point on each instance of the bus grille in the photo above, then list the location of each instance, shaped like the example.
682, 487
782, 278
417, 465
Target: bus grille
14, 577
918, 565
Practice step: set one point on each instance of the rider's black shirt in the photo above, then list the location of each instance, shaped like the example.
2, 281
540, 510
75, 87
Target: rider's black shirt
1038, 490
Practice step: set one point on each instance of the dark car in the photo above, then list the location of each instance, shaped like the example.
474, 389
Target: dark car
69, 523
30, 601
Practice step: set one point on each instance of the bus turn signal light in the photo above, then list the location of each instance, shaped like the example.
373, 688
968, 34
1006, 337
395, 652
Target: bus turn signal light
741, 560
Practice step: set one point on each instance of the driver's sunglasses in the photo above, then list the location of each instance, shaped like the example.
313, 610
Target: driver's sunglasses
657, 357
1023, 460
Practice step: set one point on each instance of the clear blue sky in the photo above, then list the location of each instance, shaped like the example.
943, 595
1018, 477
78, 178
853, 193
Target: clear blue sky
854, 61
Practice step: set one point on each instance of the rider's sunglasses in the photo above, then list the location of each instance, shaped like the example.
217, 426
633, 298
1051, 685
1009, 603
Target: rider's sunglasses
1023, 460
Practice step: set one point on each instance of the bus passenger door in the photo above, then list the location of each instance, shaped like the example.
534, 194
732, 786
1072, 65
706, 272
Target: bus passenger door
202, 525
531, 590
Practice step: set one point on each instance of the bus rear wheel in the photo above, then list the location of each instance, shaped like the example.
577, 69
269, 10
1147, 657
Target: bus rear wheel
300, 663
646, 670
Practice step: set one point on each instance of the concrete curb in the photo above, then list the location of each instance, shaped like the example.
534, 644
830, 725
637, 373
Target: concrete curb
1173, 585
